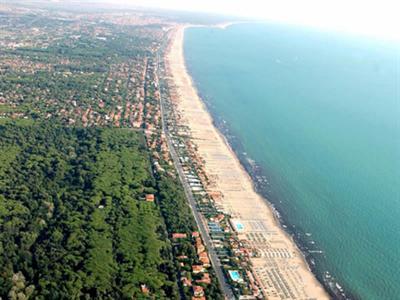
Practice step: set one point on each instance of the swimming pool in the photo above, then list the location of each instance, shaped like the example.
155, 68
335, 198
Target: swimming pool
239, 226
235, 276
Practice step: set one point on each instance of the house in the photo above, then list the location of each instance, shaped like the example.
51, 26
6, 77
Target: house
195, 234
144, 289
179, 235
186, 281
199, 245
197, 269
198, 291
150, 197
203, 257
219, 217
200, 248
205, 279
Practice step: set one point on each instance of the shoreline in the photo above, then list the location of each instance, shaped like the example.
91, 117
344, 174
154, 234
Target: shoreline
280, 255
257, 172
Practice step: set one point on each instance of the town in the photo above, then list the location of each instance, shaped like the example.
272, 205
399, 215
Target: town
107, 70
95, 86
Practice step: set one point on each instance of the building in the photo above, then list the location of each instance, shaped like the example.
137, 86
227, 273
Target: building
197, 269
150, 197
199, 245
144, 289
203, 257
205, 279
198, 291
179, 235
186, 281
219, 217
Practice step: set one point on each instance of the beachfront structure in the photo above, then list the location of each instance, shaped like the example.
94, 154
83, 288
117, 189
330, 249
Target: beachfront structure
237, 225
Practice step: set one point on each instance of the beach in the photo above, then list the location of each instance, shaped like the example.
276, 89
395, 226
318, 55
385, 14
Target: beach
280, 267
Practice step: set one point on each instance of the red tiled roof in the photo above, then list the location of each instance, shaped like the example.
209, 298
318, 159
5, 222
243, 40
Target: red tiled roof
144, 289
198, 291
205, 279
179, 235
186, 282
150, 197
197, 268
205, 260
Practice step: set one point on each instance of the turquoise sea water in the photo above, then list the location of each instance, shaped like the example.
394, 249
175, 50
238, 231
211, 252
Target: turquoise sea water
320, 113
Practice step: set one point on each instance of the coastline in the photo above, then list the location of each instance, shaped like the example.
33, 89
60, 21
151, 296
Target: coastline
279, 255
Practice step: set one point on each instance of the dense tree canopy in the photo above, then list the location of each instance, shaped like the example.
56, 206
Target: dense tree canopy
73, 220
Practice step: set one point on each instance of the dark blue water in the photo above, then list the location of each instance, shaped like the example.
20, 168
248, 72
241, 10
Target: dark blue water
320, 113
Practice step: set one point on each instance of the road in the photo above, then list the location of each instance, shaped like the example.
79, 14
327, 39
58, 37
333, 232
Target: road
192, 202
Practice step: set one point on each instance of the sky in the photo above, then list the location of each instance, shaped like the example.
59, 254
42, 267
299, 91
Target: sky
371, 17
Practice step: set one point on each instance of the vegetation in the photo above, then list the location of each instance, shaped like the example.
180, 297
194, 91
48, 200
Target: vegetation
81, 71
179, 219
80, 148
73, 220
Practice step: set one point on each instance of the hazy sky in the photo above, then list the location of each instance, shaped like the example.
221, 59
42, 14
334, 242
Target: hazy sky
375, 17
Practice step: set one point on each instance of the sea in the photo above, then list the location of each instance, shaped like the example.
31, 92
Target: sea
314, 116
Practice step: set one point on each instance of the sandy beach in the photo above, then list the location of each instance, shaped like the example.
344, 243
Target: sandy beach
281, 268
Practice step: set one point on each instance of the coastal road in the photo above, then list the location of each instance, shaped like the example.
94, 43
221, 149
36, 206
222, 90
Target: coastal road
226, 288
